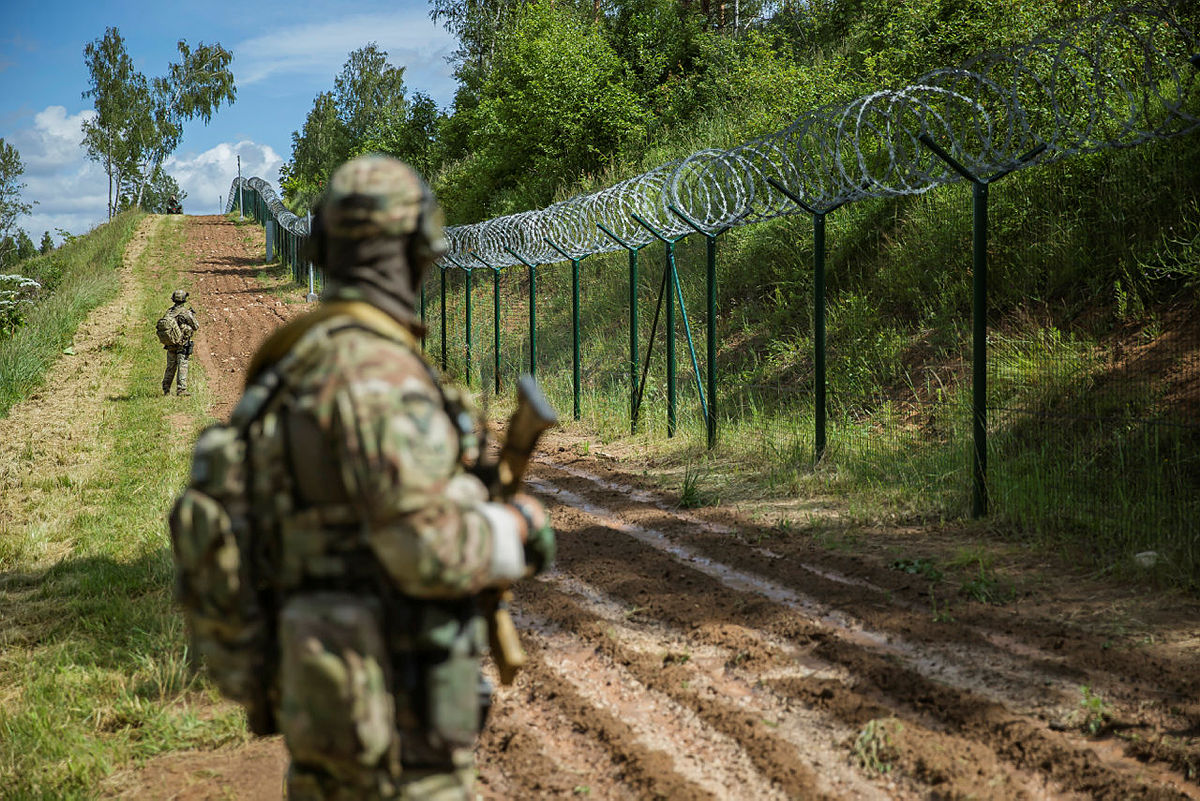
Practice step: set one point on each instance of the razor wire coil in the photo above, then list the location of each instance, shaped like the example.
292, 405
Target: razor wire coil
1113, 80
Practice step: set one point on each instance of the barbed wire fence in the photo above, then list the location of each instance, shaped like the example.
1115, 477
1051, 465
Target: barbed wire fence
1112, 81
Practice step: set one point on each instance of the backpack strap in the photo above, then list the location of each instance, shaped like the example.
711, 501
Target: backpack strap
264, 378
364, 315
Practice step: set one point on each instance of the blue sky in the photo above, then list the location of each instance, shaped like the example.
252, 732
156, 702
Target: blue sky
284, 54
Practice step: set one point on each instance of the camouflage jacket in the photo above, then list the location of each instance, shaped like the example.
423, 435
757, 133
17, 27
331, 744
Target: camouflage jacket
185, 316
365, 429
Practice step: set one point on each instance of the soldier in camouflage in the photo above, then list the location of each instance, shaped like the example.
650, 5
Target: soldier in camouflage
385, 540
177, 355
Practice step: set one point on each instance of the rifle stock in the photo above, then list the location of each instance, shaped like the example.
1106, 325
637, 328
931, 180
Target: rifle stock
533, 416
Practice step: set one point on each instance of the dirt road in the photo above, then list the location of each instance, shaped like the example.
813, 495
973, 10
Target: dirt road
713, 654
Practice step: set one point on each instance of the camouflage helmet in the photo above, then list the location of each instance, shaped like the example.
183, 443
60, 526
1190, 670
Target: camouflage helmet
179, 296
377, 196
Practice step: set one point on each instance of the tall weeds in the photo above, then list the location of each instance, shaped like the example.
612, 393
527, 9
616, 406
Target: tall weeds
76, 278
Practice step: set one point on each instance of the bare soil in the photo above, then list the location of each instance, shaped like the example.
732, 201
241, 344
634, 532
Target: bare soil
715, 653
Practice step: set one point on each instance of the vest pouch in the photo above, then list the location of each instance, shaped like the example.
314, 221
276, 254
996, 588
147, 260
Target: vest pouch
335, 708
208, 575
454, 708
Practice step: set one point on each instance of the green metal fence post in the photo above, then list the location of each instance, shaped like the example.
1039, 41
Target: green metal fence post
532, 307
979, 494
820, 401
533, 319
819, 379
495, 320
576, 371
467, 326
496, 327
672, 420
710, 418
443, 266
634, 250
670, 276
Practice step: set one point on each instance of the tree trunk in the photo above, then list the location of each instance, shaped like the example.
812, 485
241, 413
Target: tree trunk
108, 170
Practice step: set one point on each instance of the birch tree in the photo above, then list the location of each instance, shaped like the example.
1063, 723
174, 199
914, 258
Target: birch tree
139, 122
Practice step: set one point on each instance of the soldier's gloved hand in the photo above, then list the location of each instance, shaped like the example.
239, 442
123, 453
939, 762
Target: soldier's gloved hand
540, 545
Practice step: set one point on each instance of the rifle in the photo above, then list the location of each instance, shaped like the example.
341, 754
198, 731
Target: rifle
533, 416
188, 347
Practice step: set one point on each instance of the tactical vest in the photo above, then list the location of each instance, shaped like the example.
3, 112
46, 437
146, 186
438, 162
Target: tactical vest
241, 544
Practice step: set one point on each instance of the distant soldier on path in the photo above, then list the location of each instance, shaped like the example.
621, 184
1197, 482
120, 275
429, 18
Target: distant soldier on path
175, 330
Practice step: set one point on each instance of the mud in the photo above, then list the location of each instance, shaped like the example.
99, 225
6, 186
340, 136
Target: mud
710, 653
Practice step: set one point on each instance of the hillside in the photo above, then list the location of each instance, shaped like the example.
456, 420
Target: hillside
769, 646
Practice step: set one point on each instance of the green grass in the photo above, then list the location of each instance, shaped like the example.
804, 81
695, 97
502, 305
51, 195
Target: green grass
93, 669
77, 277
1088, 258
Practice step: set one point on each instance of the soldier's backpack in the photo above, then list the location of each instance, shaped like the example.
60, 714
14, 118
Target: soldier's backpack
224, 545
168, 330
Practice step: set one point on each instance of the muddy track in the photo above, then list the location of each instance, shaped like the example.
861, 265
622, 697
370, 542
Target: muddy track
695, 654
976, 718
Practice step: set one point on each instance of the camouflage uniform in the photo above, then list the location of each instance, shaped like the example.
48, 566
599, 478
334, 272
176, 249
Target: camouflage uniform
177, 357
383, 540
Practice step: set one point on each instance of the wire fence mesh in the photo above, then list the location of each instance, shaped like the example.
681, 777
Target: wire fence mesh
1091, 416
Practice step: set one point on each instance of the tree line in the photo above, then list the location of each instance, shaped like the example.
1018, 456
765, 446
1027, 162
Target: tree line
139, 120
555, 97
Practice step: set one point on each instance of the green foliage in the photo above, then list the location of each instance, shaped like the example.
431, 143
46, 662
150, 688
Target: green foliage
875, 747
158, 195
367, 112
919, 567
139, 122
692, 495
17, 293
986, 587
11, 205
1094, 712
25, 248
556, 103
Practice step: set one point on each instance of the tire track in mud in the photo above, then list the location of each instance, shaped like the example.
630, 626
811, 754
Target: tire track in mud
1043, 664
652, 678
882, 683
749, 698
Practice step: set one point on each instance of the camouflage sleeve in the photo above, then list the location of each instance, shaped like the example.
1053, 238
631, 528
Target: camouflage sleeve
188, 317
429, 523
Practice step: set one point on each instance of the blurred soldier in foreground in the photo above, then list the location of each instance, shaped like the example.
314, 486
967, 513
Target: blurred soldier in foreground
175, 330
335, 556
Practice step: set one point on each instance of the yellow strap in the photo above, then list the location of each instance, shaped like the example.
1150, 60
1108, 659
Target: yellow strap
280, 343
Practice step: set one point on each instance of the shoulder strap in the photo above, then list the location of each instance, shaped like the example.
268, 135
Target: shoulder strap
280, 343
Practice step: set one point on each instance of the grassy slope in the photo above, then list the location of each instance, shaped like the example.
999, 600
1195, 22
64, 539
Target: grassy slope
92, 671
83, 276
1087, 256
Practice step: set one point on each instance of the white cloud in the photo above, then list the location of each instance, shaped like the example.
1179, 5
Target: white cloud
71, 192
68, 191
52, 141
318, 50
206, 177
